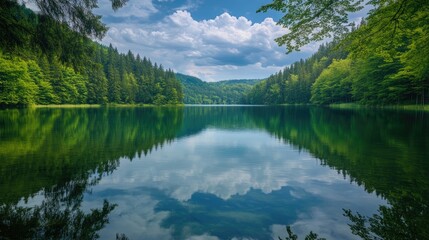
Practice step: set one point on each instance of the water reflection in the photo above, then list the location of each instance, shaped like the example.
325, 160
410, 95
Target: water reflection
51, 157
213, 172
57, 216
405, 218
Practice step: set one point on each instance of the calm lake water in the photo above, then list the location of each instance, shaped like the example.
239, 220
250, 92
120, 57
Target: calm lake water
219, 172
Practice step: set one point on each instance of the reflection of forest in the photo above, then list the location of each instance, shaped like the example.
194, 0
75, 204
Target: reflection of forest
46, 147
62, 152
385, 151
65, 151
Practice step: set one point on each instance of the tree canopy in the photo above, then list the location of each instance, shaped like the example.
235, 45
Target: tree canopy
77, 14
53, 64
383, 61
309, 20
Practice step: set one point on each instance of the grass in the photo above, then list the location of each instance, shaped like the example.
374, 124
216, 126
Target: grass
67, 106
100, 105
398, 107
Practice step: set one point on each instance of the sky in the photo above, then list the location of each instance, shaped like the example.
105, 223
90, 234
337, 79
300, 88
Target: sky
208, 39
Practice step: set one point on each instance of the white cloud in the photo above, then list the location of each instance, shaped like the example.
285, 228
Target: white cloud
225, 47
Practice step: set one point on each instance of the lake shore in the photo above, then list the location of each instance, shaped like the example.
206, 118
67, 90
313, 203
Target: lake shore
99, 105
410, 107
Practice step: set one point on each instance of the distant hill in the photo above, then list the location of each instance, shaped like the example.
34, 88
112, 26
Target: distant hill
196, 91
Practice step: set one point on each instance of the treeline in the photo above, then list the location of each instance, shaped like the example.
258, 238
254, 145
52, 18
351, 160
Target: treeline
45, 62
293, 84
375, 64
197, 91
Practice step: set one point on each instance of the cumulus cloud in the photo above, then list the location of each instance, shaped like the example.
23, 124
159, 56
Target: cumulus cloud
224, 47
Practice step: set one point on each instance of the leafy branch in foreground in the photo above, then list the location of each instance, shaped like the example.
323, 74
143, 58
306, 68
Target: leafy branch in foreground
78, 14
309, 20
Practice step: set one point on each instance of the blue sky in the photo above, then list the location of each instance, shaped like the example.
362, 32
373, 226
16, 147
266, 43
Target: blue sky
212, 40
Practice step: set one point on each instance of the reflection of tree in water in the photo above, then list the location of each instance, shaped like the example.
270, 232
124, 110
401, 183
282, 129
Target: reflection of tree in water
33, 146
406, 218
63, 152
59, 215
385, 151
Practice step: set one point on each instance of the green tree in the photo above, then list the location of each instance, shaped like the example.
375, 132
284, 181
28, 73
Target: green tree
334, 84
128, 88
78, 15
45, 93
405, 218
16, 85
97, 85
310, 20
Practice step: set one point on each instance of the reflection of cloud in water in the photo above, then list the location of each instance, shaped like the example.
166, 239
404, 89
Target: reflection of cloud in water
222, 163
228, 184
134, 215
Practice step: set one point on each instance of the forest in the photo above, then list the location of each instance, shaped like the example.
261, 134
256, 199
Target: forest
197, 91
43, 61
383, 60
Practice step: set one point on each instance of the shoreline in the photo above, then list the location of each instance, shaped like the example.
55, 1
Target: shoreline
101, 105
407, 107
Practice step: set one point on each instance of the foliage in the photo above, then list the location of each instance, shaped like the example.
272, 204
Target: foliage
52, 220
334, 84
293, 84
17, 86
77, 14
310, 21
75, 70
386, 57
406, 218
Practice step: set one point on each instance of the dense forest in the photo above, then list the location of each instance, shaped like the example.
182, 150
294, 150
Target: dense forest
197, 91
43, 61
49, 58
294, 83
383, 61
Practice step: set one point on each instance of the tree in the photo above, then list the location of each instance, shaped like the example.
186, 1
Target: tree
309, 20
56, 65
45, 93
97, 85
405, 218
76, 14
334, 84
16, 85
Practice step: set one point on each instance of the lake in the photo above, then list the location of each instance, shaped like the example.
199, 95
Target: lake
212, 172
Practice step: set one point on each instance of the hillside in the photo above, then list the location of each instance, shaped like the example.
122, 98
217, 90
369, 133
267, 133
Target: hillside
382, 61
196, 91
36, 68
